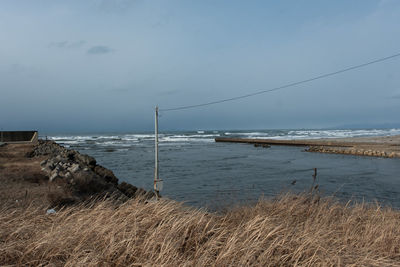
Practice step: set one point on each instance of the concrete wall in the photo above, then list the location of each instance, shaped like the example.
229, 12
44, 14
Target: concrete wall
18, 136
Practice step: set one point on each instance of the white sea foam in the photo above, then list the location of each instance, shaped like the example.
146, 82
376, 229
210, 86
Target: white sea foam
126, 140
141, 136
342, 133
314, 134
194, 135
182, 138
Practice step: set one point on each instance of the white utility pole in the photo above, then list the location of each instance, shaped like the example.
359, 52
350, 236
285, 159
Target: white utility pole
157, 181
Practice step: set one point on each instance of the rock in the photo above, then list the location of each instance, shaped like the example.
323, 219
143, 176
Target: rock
59, 167
80, 177
261, 145
53, 176
106, 174
71, 154
128, 189
85, 160
143, 193
88, 183
50, 165
74, 168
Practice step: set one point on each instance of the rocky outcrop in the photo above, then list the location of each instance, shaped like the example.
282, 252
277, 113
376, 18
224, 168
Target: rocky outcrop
80, 177
106, 174
128, 189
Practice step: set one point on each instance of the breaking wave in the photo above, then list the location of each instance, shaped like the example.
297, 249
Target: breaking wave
133, 139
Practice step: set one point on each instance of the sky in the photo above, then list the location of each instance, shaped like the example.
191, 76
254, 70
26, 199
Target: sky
103, 65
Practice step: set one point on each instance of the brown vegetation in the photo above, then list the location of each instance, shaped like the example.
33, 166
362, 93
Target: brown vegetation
291, 230
21, 180
301, 230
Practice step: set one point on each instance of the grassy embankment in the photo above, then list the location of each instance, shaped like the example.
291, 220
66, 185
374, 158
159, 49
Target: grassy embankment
291, 230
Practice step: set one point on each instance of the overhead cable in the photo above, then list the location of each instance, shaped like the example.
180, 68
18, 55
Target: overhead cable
283, 86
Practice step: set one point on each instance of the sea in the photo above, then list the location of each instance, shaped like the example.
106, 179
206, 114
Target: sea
203, 173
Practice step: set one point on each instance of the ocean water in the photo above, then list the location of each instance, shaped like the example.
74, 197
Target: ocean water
197, 170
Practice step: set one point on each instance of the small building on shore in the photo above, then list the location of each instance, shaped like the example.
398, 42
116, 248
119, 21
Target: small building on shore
19, 137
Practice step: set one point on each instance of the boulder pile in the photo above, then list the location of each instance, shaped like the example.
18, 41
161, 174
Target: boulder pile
353, 151
80, 177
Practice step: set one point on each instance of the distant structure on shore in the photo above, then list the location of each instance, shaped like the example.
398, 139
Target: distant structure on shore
22, 137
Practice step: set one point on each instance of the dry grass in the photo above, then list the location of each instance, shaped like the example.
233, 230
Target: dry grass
289, 231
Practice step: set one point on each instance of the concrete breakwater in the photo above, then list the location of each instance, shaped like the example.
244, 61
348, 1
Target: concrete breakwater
277, 142
388, 146
353, 151
79, 178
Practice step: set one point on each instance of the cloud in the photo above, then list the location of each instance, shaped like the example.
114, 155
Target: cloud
396, 96
67, 44
99, 49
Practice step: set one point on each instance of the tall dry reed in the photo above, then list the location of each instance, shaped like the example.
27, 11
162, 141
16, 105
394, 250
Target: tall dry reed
288, 231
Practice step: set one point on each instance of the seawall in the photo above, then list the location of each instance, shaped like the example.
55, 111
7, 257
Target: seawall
386, 146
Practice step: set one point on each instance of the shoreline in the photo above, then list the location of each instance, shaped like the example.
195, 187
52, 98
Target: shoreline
377, 146
49, 175
291, 229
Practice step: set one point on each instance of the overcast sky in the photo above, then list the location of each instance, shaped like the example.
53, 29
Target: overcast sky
103, 65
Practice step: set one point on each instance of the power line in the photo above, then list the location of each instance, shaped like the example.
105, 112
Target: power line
283, 86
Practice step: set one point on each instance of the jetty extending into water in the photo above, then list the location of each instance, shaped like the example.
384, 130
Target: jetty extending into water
380, 146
